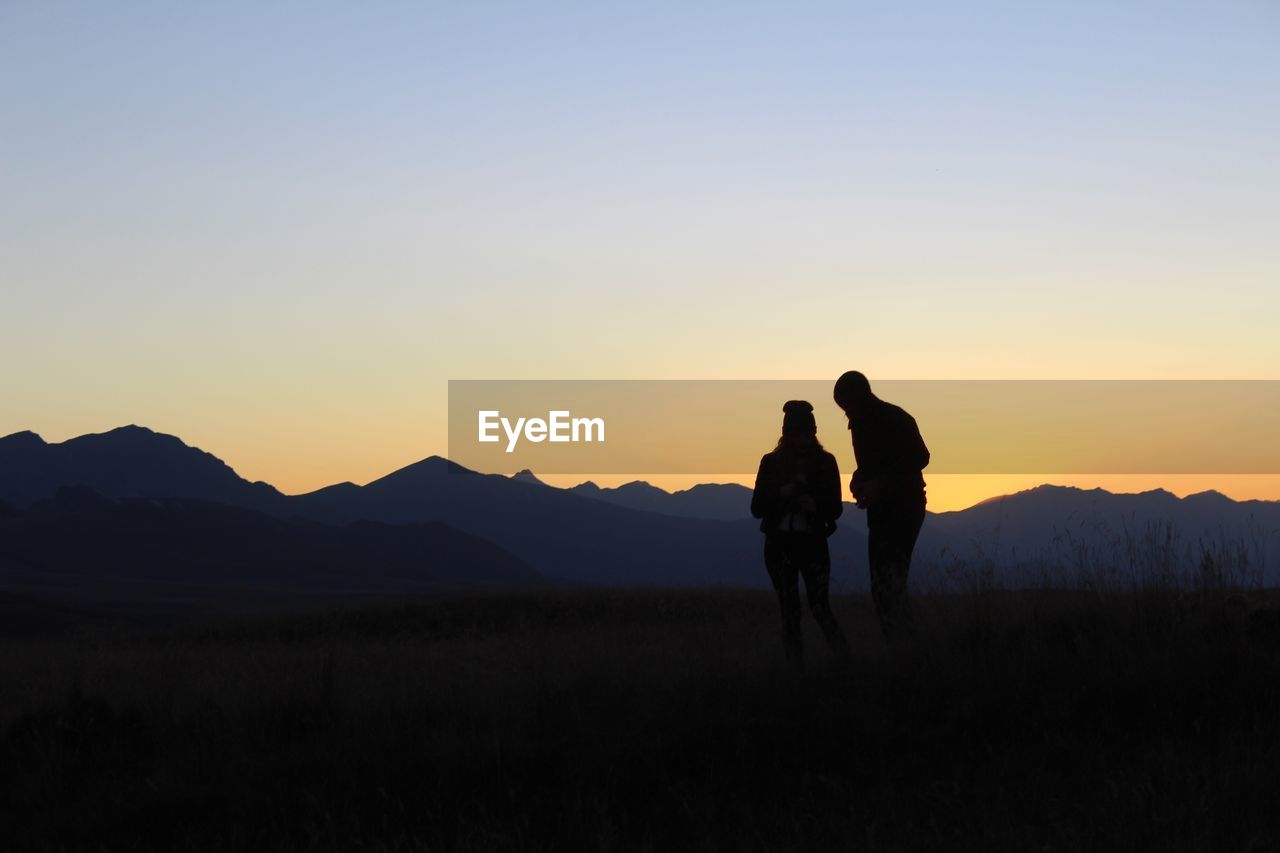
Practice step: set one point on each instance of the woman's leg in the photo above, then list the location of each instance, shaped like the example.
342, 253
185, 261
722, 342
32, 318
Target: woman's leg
778, 559
816, 567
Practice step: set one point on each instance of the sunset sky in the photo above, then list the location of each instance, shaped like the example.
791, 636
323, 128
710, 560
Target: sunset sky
277, 230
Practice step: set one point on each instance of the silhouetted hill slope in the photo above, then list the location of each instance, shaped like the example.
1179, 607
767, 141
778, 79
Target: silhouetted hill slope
1068, 526
562, 534
80, 531
130, 461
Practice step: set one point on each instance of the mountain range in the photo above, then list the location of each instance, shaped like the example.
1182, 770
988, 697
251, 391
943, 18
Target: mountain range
559, 534
130, 461
631, 534
1055, 534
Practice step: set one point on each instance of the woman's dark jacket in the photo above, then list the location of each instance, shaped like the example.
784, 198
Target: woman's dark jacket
811, 471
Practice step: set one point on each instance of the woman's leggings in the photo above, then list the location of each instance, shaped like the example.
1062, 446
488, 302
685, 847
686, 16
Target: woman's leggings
788, 557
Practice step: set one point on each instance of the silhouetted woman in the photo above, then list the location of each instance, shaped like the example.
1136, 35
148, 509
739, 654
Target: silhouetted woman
797, 499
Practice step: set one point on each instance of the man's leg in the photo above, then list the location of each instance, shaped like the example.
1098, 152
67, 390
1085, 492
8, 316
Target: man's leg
908, 532
816, 569
892, 531
881, 580
786, 583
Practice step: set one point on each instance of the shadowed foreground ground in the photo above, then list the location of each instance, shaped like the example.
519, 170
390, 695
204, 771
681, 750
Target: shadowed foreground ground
652, 720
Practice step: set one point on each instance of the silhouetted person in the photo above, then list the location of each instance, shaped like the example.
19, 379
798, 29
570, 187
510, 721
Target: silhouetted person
797, 498
889, 454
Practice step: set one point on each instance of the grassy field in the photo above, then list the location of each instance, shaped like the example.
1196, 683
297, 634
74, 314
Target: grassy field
653, 720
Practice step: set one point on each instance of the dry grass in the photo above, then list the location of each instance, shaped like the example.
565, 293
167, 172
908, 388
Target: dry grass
654, 720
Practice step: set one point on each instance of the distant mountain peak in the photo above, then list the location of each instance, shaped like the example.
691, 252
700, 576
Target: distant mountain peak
131, 436
126, 431
1159, 493
1162, 497
641, 486
1042, 489
708, 501
527, 476
446, 463
1209, 495
128, 461
430, 467
22, 439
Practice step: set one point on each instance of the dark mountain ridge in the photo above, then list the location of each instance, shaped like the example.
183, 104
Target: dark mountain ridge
560, 533
130, 461
640, 534
722, 501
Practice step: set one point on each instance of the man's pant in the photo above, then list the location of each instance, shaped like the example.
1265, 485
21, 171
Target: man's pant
789, 556
892, 530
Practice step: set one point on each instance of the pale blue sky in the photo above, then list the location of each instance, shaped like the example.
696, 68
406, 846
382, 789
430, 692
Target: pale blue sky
278, 231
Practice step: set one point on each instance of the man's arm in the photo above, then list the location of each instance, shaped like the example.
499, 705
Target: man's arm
917, 451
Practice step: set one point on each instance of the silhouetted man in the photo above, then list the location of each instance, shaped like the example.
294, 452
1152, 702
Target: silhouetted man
889, 454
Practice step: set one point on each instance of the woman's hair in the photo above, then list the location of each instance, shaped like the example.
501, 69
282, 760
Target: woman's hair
799, 428
798, 441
